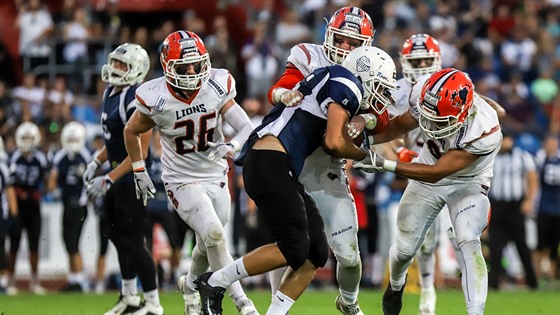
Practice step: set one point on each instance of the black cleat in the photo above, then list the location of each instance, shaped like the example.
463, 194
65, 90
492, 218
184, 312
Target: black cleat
392, 301
210, 297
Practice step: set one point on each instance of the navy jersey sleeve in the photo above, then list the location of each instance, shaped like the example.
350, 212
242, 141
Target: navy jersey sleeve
345, 89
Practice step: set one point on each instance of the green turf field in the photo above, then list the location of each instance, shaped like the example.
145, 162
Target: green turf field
312, 302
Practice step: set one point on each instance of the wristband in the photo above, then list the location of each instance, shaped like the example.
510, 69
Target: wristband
389, 165
138, 166
235, 144
109, 179
277, 94
97, 162
371, 121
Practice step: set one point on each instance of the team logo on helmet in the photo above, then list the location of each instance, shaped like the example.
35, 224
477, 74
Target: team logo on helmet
363, 64
459, 97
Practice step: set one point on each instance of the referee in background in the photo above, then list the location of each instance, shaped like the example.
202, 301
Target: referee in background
512, 197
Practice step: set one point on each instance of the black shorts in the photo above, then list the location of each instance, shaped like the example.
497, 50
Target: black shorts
126, 215
549, 233
286, 208
29, 218
72, 223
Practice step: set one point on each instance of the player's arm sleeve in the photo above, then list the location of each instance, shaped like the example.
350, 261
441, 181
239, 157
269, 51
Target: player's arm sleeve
142, 106
239, 121
288, 80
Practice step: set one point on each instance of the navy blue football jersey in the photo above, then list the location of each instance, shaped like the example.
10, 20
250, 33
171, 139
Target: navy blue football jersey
301, 128
70, 168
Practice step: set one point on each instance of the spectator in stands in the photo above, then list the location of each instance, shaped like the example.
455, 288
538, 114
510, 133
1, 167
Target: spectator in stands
223, 52
512, 196
290, 32
518, 53
76, 34
261, 63
65, 181
35, 27
8, 121
29, 168
548, 215
29, 97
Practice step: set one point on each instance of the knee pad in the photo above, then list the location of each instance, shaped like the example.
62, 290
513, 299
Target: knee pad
295, 250
347, 256
402, 256
214, 235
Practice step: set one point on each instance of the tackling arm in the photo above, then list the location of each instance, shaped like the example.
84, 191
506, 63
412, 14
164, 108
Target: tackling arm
449, 163
287, 81
397, 127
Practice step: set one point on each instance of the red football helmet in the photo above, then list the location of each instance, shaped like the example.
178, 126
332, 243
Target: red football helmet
420, 55
444, 103
350, 22
180, 50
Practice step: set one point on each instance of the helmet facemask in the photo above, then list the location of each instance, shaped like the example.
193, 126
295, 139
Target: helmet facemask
335, 54
411, 65
176, 71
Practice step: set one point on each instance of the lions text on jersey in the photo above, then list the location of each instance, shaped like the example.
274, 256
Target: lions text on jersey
300, 129
186, 126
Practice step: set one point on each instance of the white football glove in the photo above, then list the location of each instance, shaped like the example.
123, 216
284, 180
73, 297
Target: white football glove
291, 98
98, 187
372, 163
220, 151
144, 186
91, 168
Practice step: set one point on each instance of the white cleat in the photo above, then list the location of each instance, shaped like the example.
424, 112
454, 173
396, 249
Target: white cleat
147, 308
191, 298
125, 305
348, 309
37, 289
246, 307
12, 290
427, 301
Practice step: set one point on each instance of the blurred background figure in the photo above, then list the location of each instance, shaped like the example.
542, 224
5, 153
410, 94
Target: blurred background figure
65, 182
512, 196
548, 210
29, 169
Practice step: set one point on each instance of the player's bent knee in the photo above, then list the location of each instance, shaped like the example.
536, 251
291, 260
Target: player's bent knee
214, 235
348, 258
295, 252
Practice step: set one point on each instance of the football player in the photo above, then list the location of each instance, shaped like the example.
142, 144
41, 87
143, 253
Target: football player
68, 166
29, 168
188, 105
7, 198
273, 159
454, 168
126, 68
324, 176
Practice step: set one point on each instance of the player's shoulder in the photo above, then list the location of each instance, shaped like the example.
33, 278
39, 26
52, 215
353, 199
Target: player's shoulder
482, 127
308, 57
221, 81
148, 92
58, 156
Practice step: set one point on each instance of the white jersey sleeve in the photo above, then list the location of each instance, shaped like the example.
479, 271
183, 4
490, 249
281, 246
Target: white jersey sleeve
308, 57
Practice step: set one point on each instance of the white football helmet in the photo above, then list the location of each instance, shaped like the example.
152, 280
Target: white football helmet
28, 137
378, 74
137, 61
73, 137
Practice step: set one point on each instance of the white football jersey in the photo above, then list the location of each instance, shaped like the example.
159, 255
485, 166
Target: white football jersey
186, 126
308, 57
479, 135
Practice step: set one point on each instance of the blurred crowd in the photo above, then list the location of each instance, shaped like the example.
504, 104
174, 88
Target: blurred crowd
511, 50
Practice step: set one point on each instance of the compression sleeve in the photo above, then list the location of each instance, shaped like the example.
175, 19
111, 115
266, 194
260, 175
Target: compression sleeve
239, 121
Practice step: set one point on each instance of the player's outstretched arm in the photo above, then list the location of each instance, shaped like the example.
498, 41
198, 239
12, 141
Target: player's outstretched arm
449, 163
397, 127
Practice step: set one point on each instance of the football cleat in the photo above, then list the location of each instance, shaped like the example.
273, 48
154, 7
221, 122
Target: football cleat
392, 300
246, 307
427, 301
210, 297
348, 309
125, 305
191, 298
37, 289
147, 308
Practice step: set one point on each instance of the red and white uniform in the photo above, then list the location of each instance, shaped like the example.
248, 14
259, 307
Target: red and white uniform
192, 181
